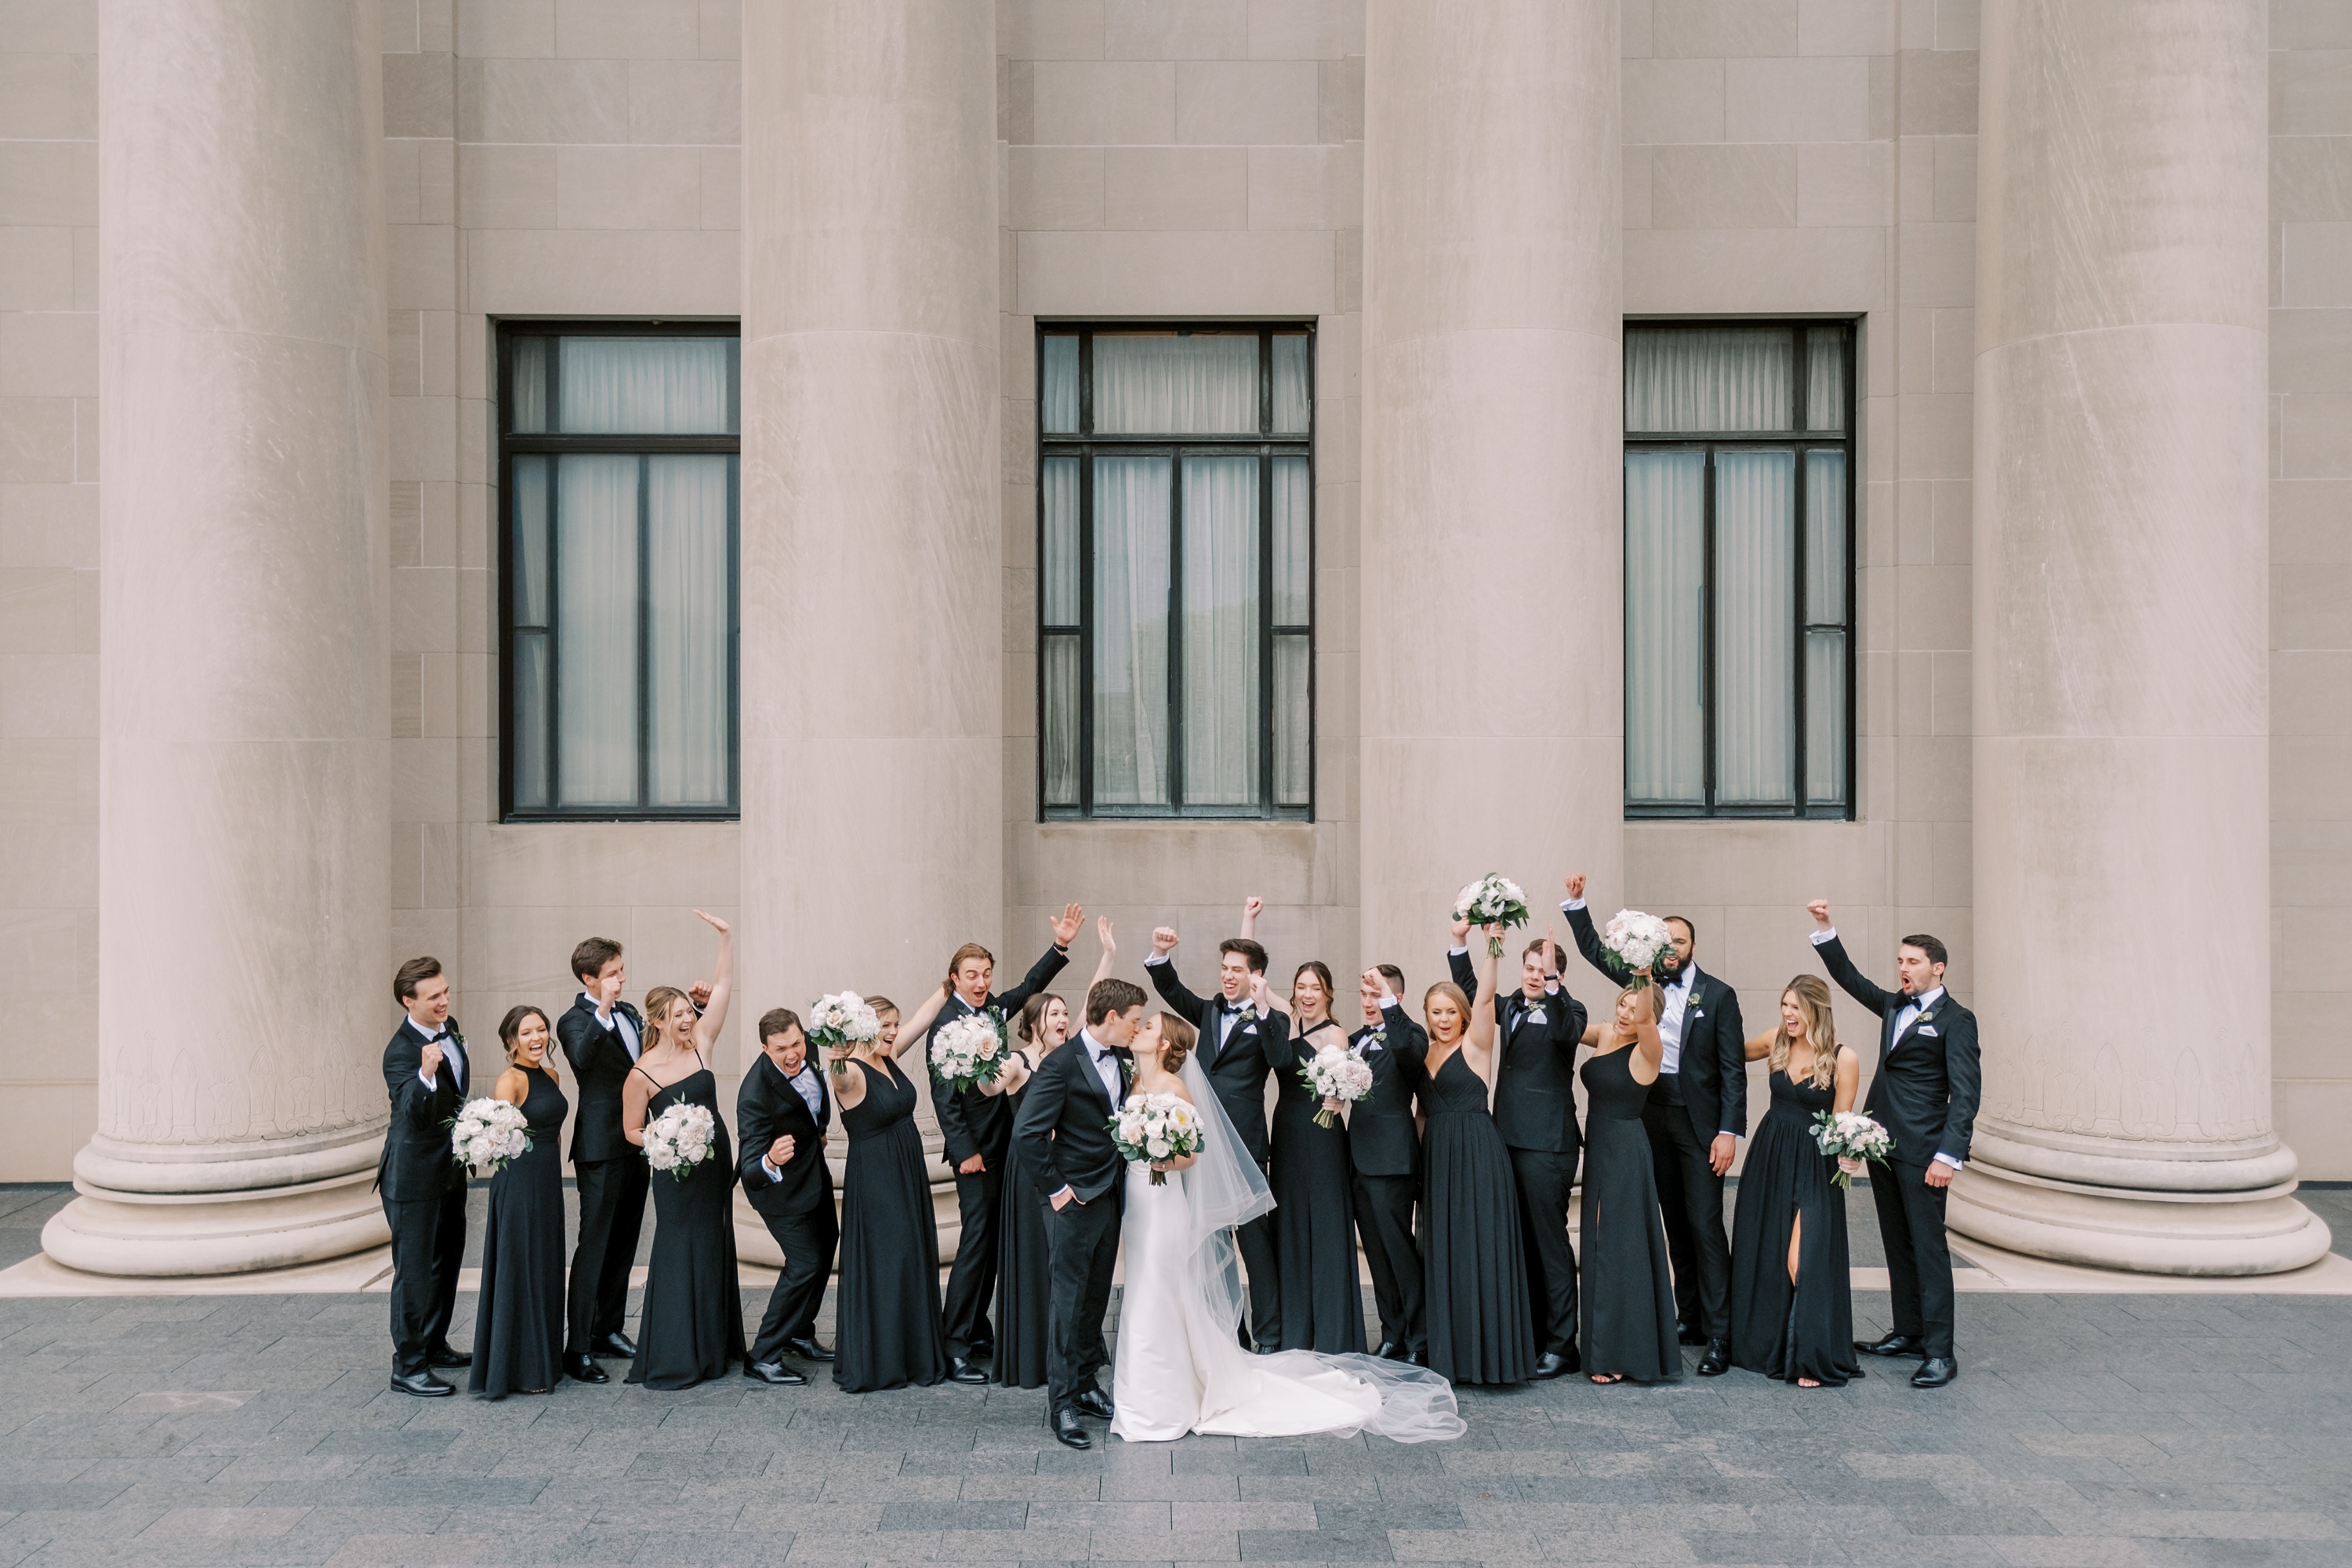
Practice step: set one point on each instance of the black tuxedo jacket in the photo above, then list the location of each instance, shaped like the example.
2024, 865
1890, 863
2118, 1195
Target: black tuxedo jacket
1535, 1075
1928, 1079
768, 1107
973, 1122
418, 1165
1713, 1070
1064, 1128
1238, 1069
600, 1064
1381, 1137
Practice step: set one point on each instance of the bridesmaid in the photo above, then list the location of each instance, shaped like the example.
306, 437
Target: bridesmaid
1791, 1289
1314, 1212
886, 1332
691, 1327
519, 1318
1628, 1300
1480, 1325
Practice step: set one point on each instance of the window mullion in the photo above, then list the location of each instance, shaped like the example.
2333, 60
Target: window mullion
1176, 630
1709, 693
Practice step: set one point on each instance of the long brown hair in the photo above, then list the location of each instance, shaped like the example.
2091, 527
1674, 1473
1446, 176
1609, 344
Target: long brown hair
657, 1009
1031, 1024
510, 1037
1177, 1040
1812, 994
1321, 972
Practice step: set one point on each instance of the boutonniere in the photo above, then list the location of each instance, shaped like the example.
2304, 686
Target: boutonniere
1246, 1013
456, 1036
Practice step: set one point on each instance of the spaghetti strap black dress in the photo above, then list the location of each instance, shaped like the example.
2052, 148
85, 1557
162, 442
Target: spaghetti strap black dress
1628, 1297
691, 1327
1480, 1326
1805, 1329
1024, 1285
1314, 1214
519, 1318
887, 1330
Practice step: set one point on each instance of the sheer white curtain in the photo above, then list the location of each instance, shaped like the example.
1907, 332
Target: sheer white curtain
1825, 378
1293, 651
1220, 631
687, 720
1057, 653
596, 630
527, 649
1825, 650
647, 386
1057, 396
1161, 384
527, 386
1755, 628
1130, 630
1692, 379
1665, 583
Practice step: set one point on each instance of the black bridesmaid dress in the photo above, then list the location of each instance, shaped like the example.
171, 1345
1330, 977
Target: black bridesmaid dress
886, 1306
1805, 1330
1314, 1212
1024, 1283
1628, 1300
1480, 1329
518, 1317
691, 1327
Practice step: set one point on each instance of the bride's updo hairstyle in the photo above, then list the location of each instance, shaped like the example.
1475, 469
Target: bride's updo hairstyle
1454, 993
1177, 1040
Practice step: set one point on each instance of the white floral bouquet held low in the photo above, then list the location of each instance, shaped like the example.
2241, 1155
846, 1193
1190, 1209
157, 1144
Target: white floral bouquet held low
1639, 940
1851, 1135
680, 1138
1153, 1127
1493, 900
1335, 1073
485, 1134
968, 1051
841, 1019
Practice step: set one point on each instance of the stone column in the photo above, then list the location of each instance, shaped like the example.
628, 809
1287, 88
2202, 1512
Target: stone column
1492, 700
243, 861
2123, 912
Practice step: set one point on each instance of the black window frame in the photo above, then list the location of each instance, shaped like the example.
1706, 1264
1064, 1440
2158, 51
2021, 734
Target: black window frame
1798, 440
511, 444
1084, 445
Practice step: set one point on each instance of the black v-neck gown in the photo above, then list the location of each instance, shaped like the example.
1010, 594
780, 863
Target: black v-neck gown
1805, 1330
1480, 1326
887, 1330
1025, 1282
691, 1327
518, 1317
1314, 1214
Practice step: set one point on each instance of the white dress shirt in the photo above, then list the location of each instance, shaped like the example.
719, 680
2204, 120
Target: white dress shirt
1912, 1008
614, 1018
1106, 1065
1674, 1000
450, 1048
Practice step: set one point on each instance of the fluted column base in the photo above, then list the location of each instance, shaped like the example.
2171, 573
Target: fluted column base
163, 1212
2205, 1209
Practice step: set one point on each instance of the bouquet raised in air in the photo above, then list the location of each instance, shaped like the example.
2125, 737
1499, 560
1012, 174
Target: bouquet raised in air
485, 1134
968, 1051
1156, 1127
1851, 1135
841, 1019
1335, 1073
1493, 900
1639, 940
680, 1138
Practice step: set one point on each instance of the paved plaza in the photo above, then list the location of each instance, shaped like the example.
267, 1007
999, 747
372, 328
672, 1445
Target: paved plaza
2101, 1430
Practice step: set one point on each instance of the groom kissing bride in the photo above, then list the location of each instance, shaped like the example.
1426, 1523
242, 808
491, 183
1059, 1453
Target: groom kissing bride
1182, 1367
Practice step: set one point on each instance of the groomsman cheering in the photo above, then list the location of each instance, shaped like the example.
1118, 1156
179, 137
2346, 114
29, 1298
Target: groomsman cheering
602, 1036
781, 1113
1384, 1148
424, 1187
1925, 1094
1697, 1114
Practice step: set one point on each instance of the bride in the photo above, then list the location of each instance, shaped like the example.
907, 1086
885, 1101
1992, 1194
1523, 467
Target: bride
1181, 1367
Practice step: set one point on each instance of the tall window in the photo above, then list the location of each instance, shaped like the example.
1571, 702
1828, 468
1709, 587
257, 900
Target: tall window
1739, 570
1175, 619
618, 448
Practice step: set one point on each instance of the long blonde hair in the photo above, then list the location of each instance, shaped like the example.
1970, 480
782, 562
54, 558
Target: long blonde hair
1812, 994
657, 1011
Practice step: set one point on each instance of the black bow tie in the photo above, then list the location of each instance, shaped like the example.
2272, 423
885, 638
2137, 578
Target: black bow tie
436, 1039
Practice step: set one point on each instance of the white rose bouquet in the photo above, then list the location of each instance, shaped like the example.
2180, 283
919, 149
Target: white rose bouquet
841, 1019
487, 1134
968, 1051
1493, 900
1638, 940
1335, 1073
1851, 1135
1151, 1127
680, 1138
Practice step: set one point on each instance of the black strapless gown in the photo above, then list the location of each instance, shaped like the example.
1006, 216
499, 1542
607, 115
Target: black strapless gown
1480, 1329
518, 1317
886, 1315
1314, 1214
1628, 1300
1025, 1282
1779, 1329
691, 1327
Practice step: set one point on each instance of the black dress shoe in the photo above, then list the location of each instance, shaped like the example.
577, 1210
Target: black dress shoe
1389, 1351
1936, 1372
422, 1384
1551, 1365
1094, 1402
962, 1370
982, 1350
444, 1355
1263, 1349
1689, 1335
581, 1369
615, 1347
1068, 1432
1417, 1355
1893, 1344
808, 1349
774, 1372
1716, 1360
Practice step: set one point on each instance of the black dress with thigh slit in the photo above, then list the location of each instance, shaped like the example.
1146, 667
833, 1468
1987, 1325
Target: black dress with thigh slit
1805, 1329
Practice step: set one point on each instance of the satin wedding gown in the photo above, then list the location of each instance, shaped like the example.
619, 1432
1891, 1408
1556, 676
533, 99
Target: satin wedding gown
1181, 1367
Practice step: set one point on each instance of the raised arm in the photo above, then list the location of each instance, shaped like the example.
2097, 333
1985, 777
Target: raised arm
1041, 973
1109, 959
1587, 938
1161, 967
917, 1025
722, 984
1480, 1034
1250, 906
1850, 980
1649, 1051
1458, 967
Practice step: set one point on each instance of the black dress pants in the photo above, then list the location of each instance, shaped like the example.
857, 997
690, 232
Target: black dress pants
1918, 1259
1255, 1243
972, 1281
611, 1213
428, 1247
809, 1239
1384, 1226
1690, 1200
1545, 1180
1081, 1248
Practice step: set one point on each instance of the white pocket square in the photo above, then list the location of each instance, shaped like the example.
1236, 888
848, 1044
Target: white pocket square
1535, 1014
1927, 1029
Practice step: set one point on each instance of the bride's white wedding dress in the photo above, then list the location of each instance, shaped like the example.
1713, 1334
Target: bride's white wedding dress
1181, 1367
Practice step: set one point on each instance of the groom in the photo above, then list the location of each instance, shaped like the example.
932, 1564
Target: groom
1063, 1131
